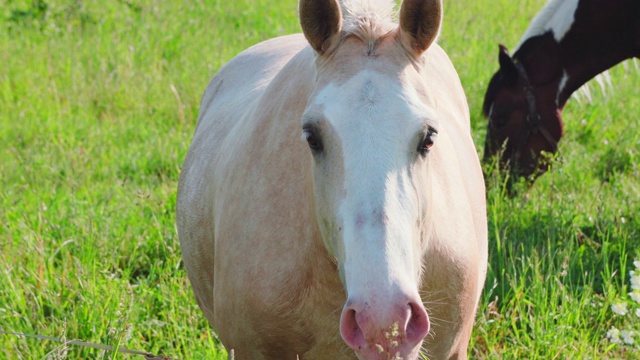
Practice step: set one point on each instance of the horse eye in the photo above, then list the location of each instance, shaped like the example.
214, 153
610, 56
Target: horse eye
427, 143
313, 139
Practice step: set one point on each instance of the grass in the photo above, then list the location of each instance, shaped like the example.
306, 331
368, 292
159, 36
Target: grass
98, 102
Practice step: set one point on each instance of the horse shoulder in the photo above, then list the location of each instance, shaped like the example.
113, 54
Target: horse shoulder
229, 97
247, 172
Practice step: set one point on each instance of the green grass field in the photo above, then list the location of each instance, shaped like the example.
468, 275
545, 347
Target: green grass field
98, 102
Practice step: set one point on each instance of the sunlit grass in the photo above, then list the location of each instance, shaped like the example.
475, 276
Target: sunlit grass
97, 107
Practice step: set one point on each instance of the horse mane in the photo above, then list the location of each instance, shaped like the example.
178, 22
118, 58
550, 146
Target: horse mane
367, 19
541, 21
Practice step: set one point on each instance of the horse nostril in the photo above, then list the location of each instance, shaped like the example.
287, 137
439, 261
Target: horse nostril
350, 329
418, 325
388, 328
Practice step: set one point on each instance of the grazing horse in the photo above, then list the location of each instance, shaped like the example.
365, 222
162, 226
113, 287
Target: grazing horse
568, 43
332, 203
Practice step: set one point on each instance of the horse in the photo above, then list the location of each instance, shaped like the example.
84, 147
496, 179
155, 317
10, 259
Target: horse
331, 204
568, 43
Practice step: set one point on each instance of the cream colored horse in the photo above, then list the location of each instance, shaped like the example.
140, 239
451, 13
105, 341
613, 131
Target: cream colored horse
332, 204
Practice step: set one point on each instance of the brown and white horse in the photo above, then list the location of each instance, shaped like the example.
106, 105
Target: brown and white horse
568, 43
332, 204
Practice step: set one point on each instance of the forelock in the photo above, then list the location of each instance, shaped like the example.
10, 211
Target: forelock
368, 19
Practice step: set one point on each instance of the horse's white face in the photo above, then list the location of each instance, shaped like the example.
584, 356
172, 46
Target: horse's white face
370, 130
371, 138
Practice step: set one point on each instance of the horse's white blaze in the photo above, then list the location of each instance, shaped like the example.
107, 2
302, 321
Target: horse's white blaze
378, 213
379, 253
557, 16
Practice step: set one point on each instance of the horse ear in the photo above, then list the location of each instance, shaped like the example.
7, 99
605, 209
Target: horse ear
420, 22
321, 21
507, 66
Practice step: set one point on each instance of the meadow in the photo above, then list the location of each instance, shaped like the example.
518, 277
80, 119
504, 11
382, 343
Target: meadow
98, 103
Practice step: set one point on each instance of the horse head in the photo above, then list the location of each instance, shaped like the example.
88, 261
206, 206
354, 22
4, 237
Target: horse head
370, 126
524, 120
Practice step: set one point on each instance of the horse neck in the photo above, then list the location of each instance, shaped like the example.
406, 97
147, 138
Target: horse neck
602, 35
579, 68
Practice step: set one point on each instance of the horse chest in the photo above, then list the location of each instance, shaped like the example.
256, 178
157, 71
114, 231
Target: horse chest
282, 311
